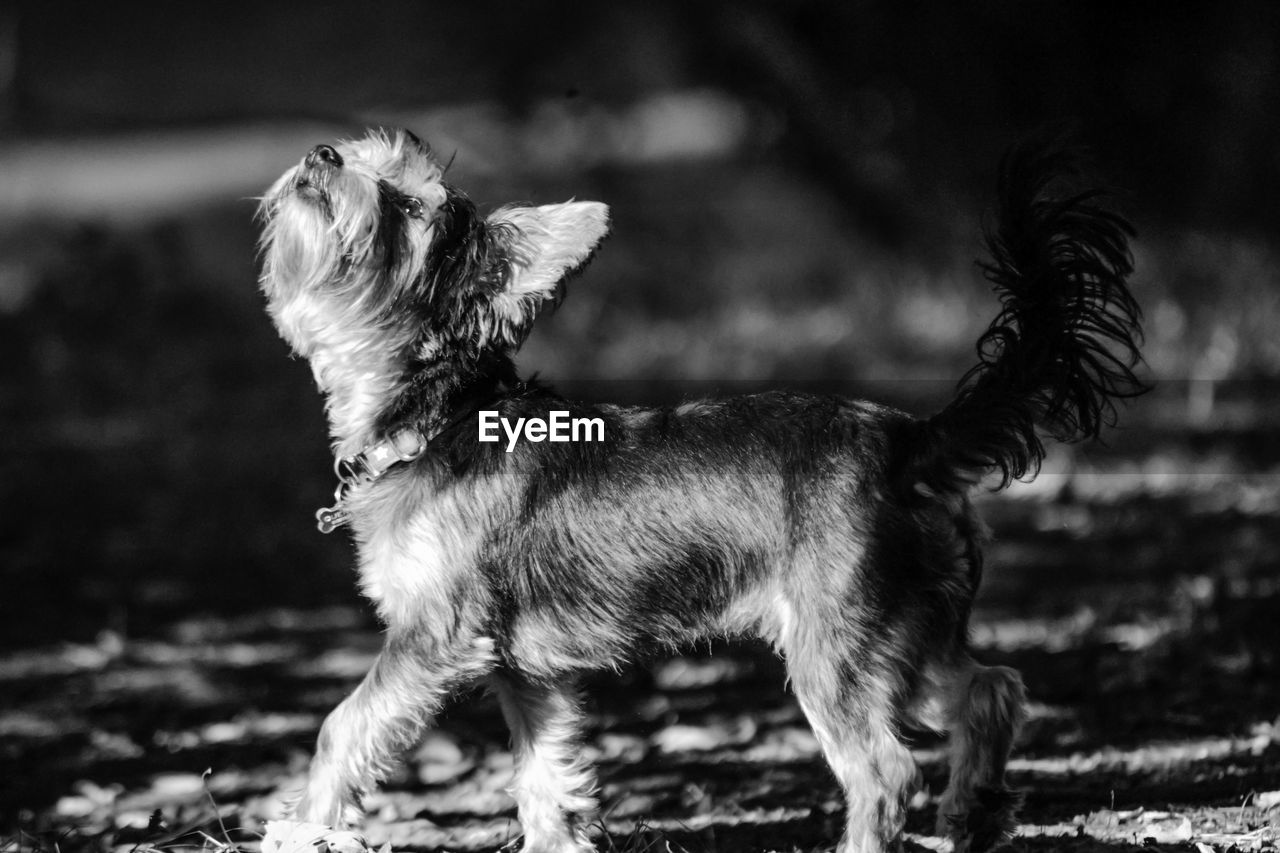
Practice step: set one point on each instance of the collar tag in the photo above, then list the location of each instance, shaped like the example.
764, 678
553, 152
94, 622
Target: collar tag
330, 518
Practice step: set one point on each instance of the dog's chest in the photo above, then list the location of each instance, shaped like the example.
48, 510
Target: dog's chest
418, 552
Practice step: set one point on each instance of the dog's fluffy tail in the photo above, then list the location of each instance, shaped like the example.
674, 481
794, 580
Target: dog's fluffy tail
1064, 346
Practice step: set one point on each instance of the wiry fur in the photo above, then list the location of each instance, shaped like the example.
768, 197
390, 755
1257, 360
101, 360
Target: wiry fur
840, 531
1062, 349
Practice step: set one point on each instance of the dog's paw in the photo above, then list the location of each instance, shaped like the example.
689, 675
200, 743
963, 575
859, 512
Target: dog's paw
291, 836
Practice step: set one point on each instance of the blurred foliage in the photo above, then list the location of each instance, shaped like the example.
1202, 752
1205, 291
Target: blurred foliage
883, 100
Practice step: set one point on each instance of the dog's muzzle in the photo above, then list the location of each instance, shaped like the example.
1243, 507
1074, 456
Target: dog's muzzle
317, 167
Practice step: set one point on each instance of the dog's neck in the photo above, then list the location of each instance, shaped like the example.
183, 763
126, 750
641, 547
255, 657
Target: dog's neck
355, 365
377, 381
447, 385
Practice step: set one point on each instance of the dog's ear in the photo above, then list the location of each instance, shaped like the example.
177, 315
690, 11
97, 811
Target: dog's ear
541, 246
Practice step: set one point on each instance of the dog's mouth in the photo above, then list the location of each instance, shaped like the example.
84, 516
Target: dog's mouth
313, 176
312, 187
313, 190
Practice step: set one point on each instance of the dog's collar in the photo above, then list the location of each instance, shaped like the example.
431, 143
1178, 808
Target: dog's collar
366, 466
402, 445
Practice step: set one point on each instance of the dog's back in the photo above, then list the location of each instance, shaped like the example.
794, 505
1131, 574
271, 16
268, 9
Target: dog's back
715, 517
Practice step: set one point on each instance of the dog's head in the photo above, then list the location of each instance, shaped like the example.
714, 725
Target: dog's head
366, 233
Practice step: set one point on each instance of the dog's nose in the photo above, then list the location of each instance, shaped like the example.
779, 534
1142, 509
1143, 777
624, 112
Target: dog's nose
324, 154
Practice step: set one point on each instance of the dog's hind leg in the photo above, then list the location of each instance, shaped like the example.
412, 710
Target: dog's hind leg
981, 709
384, 716
553, 787
849, 704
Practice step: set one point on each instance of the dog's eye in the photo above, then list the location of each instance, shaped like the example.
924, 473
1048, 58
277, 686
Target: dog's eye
412, 207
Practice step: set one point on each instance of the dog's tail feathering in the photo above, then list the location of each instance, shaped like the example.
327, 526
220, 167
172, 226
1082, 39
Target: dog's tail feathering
1065, 343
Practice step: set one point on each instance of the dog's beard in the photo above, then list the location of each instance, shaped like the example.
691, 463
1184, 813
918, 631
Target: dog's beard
320, 231
300, 250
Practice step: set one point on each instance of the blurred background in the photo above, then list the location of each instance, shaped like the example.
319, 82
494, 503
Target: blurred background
798, 192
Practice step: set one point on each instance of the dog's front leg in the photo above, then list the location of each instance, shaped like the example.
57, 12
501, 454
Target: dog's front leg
364, 736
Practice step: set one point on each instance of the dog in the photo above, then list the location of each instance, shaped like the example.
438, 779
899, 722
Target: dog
839, 531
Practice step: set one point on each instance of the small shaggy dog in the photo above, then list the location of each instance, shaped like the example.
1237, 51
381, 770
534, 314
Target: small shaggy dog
840, 531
